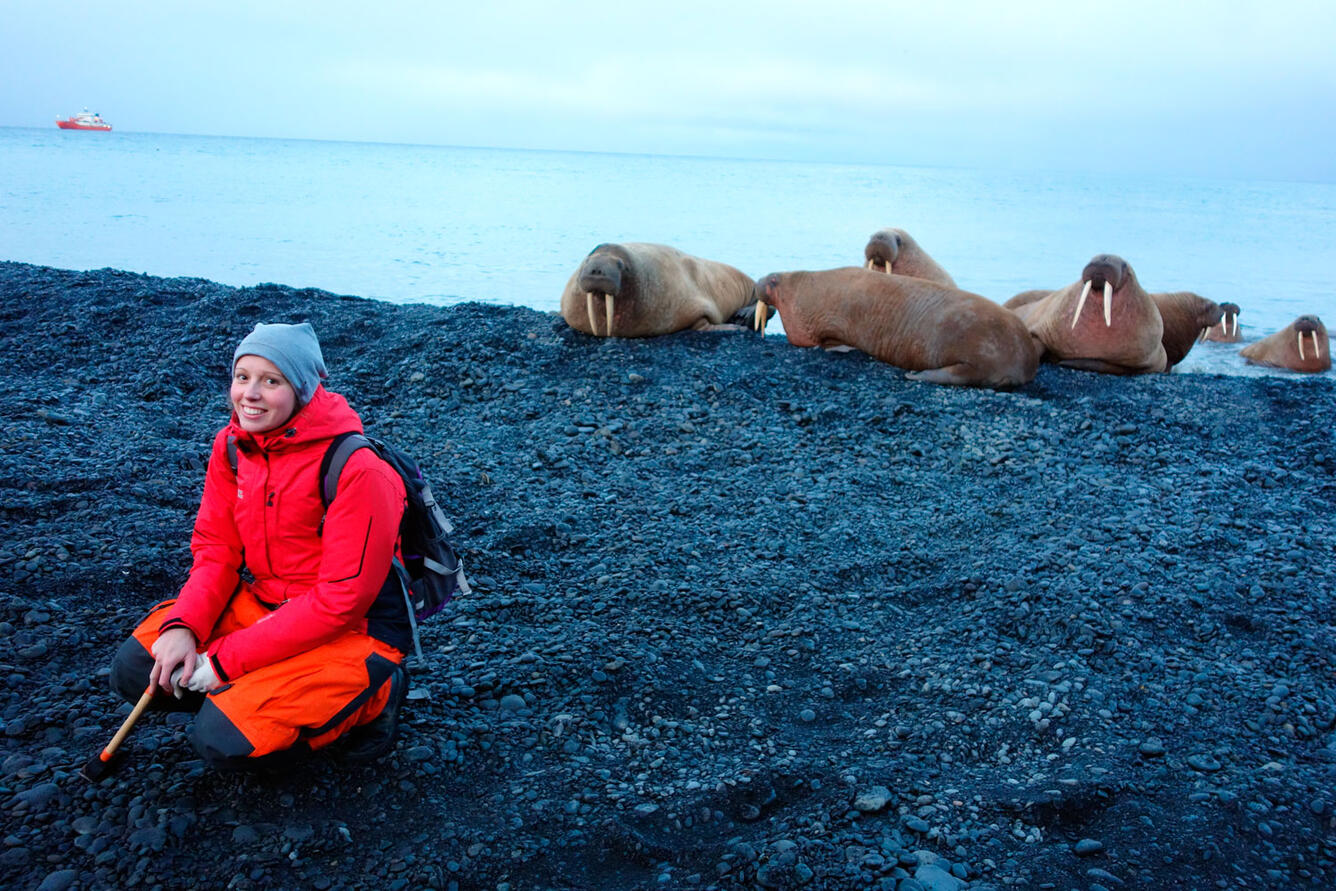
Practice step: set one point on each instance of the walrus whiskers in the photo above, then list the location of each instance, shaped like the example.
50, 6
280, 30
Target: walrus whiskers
1080, 304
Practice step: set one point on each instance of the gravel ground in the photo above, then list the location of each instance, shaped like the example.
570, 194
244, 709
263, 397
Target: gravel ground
743, 615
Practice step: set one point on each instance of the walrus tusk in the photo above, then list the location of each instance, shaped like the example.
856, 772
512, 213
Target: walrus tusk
1317, 350
1201, 338
872, 264
1108, 305
593, 325
608, 306
1236, 323
1080, 304
758, 324
1301, 346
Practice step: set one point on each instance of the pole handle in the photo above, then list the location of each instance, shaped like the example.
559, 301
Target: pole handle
128, 724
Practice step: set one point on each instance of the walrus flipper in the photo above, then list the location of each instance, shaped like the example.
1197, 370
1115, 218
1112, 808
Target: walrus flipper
961, 374
1104, 367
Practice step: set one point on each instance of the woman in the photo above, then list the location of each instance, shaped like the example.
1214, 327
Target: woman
290, 630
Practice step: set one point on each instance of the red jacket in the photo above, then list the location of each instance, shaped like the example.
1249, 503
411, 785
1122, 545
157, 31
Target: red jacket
267, 514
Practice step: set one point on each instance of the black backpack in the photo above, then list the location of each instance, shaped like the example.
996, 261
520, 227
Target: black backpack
431, 572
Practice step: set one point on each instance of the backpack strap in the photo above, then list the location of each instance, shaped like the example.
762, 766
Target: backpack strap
340, 449
401, 573
232, 453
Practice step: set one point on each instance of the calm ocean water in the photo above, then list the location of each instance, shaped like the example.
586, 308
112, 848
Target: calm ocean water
440, 224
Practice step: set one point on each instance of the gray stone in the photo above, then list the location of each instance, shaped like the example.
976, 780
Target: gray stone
934, 878
870, 801
59, 880
38, 796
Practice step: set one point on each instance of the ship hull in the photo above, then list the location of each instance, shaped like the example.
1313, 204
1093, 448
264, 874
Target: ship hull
75, 125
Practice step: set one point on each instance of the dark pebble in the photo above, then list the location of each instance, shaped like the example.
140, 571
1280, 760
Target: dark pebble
59, 880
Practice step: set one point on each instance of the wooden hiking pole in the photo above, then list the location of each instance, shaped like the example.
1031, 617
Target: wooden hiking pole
104, 764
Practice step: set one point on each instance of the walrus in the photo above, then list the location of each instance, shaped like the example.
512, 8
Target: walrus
895, 251
1123, 338
1186, 318
1227, 330
1302, 345
940, 334
644, 290
1025, 298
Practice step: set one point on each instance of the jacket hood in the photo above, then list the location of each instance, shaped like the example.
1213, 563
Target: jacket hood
324, 417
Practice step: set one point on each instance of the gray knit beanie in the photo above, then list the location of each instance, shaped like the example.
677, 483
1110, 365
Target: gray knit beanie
294, 349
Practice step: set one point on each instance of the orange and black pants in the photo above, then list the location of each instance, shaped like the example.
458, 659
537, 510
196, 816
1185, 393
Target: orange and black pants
301, 703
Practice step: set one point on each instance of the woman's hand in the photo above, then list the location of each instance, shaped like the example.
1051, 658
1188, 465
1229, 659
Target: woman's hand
174, 647
205, 678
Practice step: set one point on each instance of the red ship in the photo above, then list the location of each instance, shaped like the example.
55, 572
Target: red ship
84, 120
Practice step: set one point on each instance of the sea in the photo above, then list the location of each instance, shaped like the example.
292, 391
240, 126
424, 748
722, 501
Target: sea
444, 224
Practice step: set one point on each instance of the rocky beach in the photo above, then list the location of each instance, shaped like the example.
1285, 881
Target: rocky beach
743, 615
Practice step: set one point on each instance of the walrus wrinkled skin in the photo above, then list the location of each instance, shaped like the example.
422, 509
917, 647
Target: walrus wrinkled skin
1026, 297
1227, 330
1117, 331
939, 334
1302, 345
1186, 318
645, 290
896, 252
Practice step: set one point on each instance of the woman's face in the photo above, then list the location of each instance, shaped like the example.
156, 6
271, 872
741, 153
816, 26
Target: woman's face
262, 398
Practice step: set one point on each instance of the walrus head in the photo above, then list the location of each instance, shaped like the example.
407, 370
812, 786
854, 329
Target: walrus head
606, 275
756, 314
1209, 314
1229, 320
1309, 325
1109, 273
763, 292
883, 249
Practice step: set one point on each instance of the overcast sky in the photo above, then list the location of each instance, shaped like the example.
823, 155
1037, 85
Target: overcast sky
1216, 88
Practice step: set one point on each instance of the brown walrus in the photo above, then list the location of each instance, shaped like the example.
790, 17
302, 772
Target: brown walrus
1301, 345
1186, 317
895, 251
940, 334
1121, 338
1227, 330
1025, 298
644, 290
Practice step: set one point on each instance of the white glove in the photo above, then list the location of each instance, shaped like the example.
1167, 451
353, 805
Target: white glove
177, 690
205, 678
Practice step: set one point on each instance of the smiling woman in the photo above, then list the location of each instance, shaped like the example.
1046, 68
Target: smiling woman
290, 630
261, 397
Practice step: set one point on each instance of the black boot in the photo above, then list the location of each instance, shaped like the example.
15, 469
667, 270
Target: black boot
372, 740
